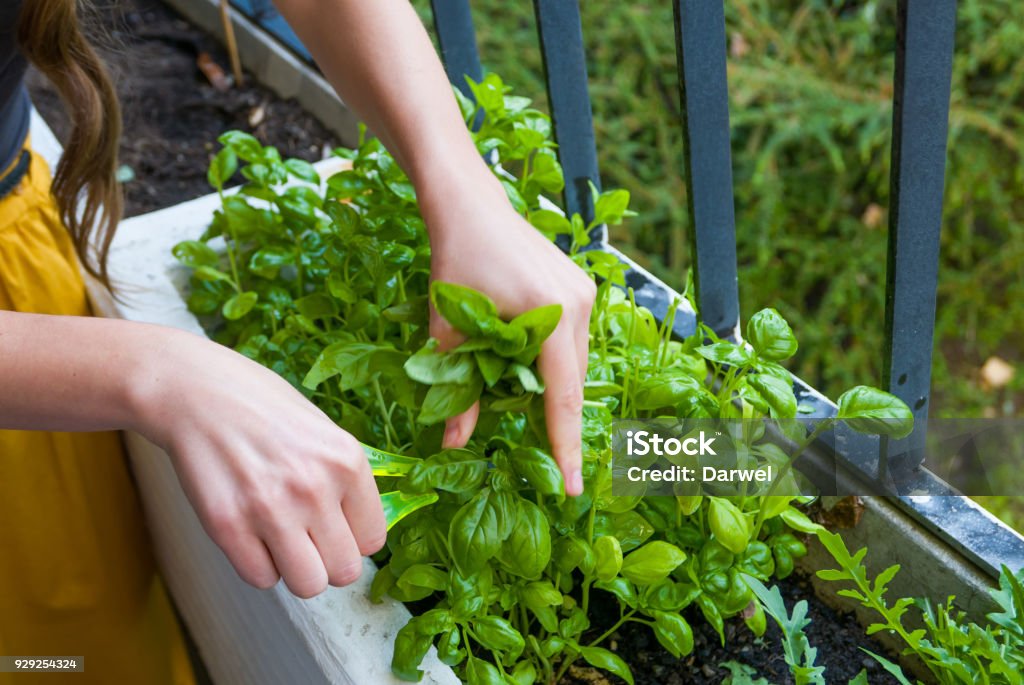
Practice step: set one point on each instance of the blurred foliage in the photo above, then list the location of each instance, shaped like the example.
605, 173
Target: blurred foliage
811, 111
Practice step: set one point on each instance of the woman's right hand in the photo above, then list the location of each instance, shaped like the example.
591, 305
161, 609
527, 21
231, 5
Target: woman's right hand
277, 485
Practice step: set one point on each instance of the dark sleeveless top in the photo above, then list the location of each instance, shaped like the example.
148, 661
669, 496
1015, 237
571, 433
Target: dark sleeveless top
15, 109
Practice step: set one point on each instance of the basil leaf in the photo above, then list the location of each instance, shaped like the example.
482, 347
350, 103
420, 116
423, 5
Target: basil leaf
411, 647
609, 661
771, 336
539, 469
673, 632
479, 528
339, 289
317, 306
539, 322
527, 550
209, 273
611, 206
776, 393
726, 353
547, 173
607, 557
423, 576
193, 253
621, 588
798, 520
874, 411
491, 366
267, 262
413, 641
453, 470
498, 634
357, 363
527, 378
672, 596
383, 581
222, 168
666, 389
728, 524
429, 366
239, 305
446, 400
244, 144
541, 593
482, 672
524, 673
302, 170
464, 308
630, 528
652, 563
712, 615
549, 223
448, 648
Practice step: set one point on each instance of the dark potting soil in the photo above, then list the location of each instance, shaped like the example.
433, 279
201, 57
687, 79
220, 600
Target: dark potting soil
836, 636
172, 114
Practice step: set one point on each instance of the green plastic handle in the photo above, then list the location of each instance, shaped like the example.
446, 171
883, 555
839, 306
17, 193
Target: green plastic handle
398, 505
388, 464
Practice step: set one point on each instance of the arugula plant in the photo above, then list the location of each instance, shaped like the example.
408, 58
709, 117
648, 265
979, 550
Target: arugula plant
796, 648
955, 651
952, 649
329, 288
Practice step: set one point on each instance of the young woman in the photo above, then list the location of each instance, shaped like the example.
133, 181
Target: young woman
281, 489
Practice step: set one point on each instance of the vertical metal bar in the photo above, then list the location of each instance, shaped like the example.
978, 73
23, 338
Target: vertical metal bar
703, 92
565, 65
924, 65
453, 22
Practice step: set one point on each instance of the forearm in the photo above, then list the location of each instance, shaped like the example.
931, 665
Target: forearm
379, 58
66, 373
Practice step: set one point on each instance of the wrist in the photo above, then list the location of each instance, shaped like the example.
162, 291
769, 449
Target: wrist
149, 380
453, 195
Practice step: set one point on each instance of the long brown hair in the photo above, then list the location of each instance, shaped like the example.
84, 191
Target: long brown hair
85, 185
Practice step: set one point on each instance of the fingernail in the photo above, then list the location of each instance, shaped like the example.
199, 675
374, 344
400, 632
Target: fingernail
576, 483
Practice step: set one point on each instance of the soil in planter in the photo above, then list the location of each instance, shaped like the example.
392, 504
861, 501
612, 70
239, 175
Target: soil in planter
836, 636
172, 114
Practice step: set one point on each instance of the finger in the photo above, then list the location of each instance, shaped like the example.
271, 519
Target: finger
440, 329
338, 550
251, 560
563, 404
298, 560
458, 429
364, 513
582, 336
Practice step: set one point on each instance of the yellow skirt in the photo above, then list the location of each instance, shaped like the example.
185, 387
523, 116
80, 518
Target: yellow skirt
77, 576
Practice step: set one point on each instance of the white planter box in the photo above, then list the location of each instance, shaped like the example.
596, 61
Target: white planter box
245, 635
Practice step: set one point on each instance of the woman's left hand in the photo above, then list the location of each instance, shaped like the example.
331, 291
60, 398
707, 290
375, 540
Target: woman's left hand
478, 240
